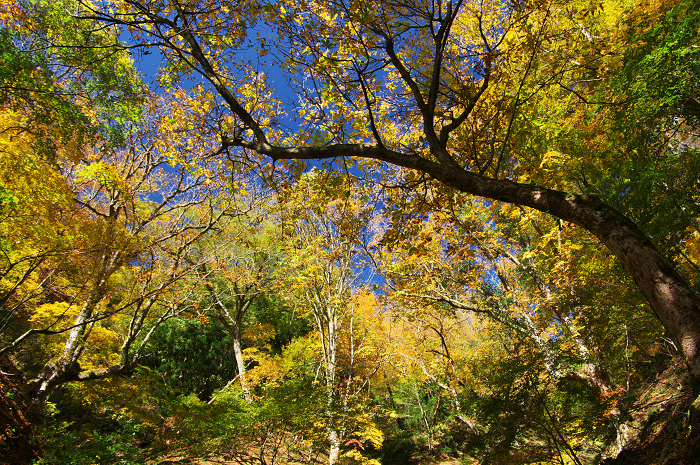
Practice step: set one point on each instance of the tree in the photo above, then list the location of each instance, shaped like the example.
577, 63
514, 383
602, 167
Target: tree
437, 88
241, 260
70, 78
117, 271
327, 228
55, 101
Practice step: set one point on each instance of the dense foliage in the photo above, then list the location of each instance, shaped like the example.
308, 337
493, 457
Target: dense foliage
349, 232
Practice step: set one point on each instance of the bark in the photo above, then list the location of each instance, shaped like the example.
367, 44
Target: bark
66, 368
240, 363
56, 373
234, 323
330, 361
675, 302
334, 452
329, 321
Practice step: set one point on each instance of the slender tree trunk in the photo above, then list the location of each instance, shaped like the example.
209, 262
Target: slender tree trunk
390, 392
331, 368
591, 371
334, 452
334, 442
424, 417
240, 363
234, 323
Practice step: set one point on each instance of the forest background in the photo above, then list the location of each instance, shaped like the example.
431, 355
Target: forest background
349, 232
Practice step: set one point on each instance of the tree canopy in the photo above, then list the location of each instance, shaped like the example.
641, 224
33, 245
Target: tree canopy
427, 226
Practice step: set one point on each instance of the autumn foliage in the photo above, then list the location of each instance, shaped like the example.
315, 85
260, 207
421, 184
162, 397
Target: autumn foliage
349, 232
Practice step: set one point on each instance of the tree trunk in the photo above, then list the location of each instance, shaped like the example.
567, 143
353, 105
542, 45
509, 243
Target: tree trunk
331, 353
234, 323
67, 368
399, 419
237, 350
334, 452
424, 417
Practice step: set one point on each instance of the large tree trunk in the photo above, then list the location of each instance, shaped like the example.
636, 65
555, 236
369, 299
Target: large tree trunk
673, 299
